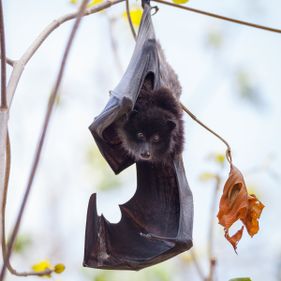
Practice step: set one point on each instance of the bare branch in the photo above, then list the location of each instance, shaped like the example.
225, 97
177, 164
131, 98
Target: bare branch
5, 192
219, 16
36, 160
20, 64
3, 103
8, 61
3, 159
3, 223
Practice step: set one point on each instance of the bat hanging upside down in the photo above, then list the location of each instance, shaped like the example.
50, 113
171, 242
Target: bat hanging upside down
153, 131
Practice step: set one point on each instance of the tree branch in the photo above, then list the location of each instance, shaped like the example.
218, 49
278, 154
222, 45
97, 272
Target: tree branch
3, 222
3, 118
20, 64
3, 102
17, 72
219, 16
8, 61
4, 199
36, 160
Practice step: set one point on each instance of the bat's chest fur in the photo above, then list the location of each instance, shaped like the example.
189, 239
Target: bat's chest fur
153, 131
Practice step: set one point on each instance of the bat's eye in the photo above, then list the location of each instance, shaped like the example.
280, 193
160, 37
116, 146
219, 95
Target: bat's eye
140, 136
155, 138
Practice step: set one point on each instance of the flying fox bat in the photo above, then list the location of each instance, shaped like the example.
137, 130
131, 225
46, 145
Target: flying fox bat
157, 221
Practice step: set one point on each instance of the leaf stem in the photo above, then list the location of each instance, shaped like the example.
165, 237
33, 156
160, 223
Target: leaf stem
228, 151
271, 29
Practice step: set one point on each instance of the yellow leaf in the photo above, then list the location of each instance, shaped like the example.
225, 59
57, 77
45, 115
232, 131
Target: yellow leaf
219, 158
42, 266
180, 1
207, 176
135, 14
73, 1
59, 268
94, 2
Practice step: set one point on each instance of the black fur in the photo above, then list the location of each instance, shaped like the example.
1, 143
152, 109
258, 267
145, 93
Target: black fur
153, 131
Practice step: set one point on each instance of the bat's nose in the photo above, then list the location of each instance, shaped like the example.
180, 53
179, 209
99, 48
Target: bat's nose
145, 154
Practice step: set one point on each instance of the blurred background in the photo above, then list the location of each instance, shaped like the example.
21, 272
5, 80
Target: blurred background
230, 76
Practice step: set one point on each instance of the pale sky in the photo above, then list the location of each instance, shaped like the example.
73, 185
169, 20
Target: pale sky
56, 213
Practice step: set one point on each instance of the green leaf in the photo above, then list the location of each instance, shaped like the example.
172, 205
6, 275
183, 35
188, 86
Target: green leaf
214, 39
103, 276
248, 90
22, 242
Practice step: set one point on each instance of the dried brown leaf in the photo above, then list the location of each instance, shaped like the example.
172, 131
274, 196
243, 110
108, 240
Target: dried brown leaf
235, 238
236, 204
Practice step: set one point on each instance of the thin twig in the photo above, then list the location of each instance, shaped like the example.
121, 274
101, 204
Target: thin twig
12, 85
5, 191
3, 102
228, 151
213, 263
130, 19
51, 103
9, 61
197, 265
20, 64
3, 223
219, 16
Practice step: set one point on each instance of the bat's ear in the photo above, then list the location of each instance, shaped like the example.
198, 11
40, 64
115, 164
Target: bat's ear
171, 124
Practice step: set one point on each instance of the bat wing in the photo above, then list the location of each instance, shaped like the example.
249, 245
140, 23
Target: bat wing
156, 222
144, 63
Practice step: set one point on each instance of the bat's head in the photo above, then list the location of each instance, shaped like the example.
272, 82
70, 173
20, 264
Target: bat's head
147, 134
